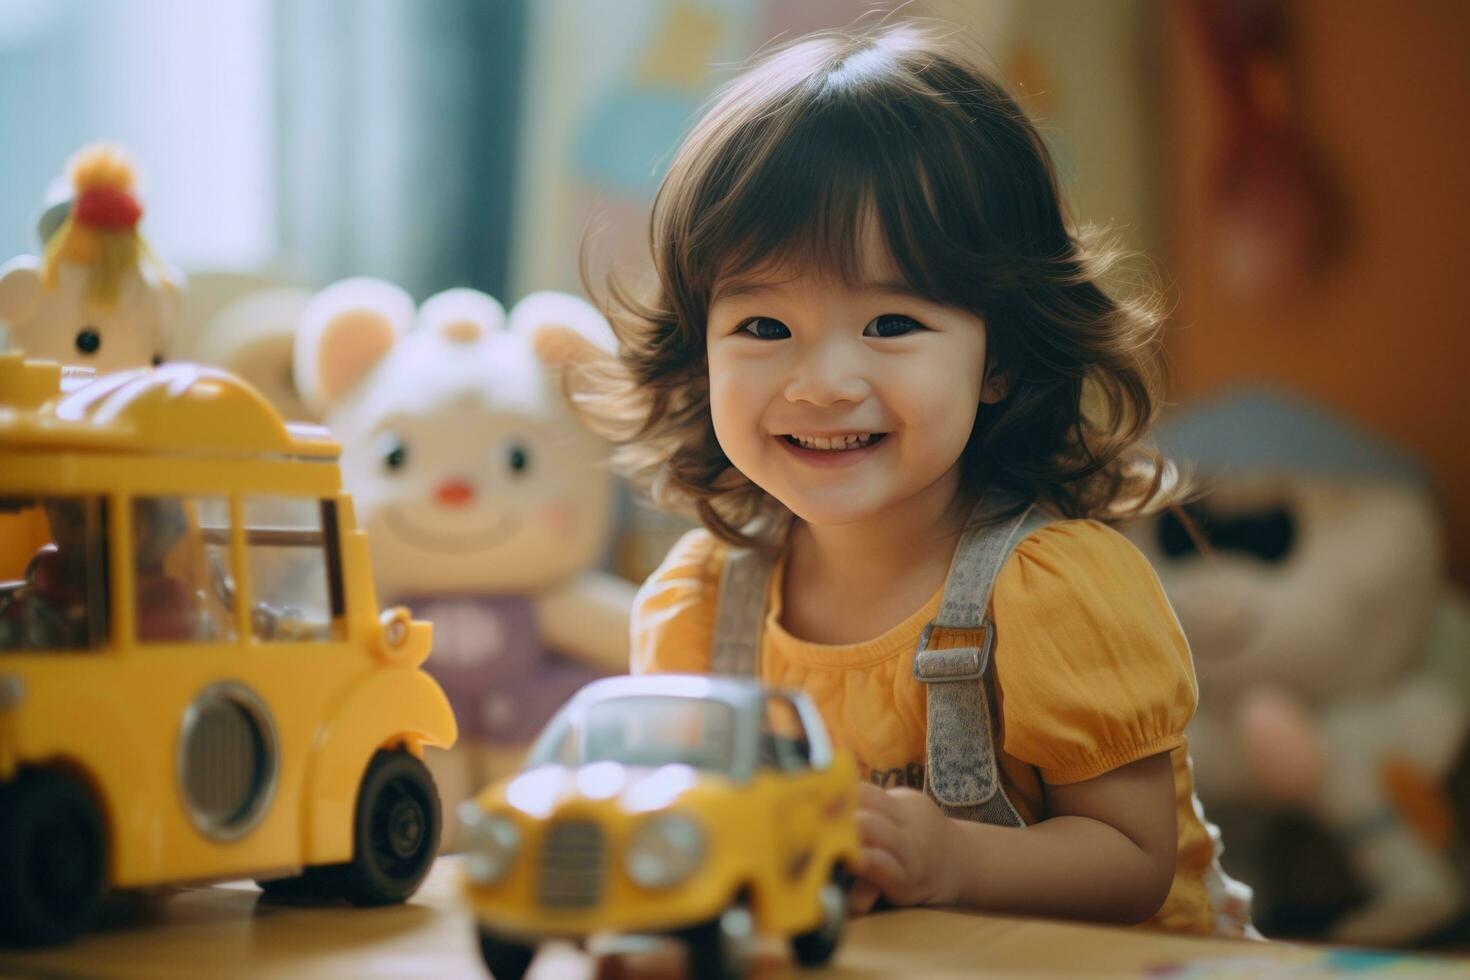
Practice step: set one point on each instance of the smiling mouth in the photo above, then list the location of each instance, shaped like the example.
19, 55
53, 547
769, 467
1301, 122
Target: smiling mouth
458, 543
835, 444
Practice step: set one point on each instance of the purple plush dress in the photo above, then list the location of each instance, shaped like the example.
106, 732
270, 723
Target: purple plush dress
502, 684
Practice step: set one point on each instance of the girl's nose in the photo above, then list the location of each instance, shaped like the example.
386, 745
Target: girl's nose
827, 375
454, 493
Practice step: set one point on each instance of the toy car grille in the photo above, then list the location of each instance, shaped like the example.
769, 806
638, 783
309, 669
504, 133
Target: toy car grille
571, 865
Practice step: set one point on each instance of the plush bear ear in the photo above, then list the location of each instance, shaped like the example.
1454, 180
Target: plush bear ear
563, 329
345, 331
20, 288
461, 315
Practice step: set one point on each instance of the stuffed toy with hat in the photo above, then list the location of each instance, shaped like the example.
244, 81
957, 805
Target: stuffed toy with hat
1332, 651
488, 505
97, 296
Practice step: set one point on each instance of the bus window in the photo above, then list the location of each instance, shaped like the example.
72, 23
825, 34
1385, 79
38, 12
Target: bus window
290, 550
175, 560
59, 602
215, 524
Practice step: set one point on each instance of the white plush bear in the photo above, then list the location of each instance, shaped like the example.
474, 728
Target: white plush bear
1329, 645
488, 505
97, 296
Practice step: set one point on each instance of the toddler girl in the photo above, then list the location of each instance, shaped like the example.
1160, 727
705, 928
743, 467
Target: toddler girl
880, 367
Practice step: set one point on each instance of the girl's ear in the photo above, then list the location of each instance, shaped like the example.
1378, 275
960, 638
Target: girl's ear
997, 385
20, 288
563, 329
345, 331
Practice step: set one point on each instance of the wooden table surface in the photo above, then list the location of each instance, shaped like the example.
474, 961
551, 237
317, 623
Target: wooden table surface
226, 931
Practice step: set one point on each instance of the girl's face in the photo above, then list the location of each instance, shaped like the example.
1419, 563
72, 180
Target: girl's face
843, 401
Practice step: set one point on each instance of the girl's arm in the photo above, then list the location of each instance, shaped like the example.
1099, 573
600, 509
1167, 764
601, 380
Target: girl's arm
1107, 853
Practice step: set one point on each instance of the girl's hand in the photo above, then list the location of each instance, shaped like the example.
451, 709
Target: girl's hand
907, 844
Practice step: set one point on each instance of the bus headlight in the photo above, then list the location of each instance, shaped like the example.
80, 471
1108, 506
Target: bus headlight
665, 850
491, 841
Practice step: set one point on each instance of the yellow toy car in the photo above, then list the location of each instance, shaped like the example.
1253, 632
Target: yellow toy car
195, 681
706, 808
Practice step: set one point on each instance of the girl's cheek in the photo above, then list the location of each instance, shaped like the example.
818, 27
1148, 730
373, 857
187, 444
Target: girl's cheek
731, 393
726, 425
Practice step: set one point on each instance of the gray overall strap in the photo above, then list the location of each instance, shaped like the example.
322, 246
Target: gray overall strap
959, 764
740, 609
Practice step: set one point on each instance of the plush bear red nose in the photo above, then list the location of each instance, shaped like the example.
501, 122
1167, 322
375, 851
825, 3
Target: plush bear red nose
454, 493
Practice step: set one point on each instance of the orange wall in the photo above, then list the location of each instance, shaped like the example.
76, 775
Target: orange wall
1384, 334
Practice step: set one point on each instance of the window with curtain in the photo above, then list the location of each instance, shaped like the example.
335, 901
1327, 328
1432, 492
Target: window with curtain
308, 140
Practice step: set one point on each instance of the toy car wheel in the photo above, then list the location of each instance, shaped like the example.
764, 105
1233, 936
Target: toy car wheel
816, 947
505, 960
395, 835
52, 858
720, 949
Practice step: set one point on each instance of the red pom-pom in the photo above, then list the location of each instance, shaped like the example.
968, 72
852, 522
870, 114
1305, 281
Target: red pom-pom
108, 207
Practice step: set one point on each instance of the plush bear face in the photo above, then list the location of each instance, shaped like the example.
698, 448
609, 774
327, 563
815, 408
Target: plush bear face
467, 468
64, 324
468, 472
1325, 586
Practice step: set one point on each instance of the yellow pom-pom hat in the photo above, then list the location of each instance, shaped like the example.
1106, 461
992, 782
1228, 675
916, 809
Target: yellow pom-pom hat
100, 226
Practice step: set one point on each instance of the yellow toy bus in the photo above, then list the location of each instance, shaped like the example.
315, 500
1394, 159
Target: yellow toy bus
195, 680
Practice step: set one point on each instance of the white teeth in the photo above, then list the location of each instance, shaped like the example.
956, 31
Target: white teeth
837, 443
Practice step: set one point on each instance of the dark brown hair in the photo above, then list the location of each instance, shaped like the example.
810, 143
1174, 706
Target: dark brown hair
789, 162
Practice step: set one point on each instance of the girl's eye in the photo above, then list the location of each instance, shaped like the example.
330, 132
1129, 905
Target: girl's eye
891, 325
764, 328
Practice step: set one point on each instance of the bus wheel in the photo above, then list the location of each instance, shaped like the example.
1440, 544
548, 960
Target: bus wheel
52, 858
395, 834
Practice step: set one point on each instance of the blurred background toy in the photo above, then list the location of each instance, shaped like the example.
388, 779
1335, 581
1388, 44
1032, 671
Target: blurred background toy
1331, 650
248, 326
1277, 213
97, 295
488, 504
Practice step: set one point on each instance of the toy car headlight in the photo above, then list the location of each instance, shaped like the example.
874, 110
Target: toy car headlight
491, 841
665, 851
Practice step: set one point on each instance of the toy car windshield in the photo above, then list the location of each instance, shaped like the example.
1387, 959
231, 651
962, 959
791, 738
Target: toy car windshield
645, 730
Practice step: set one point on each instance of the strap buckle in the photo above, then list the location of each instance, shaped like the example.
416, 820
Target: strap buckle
952, 664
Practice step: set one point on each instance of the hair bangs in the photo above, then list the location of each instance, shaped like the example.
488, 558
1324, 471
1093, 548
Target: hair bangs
812, 189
